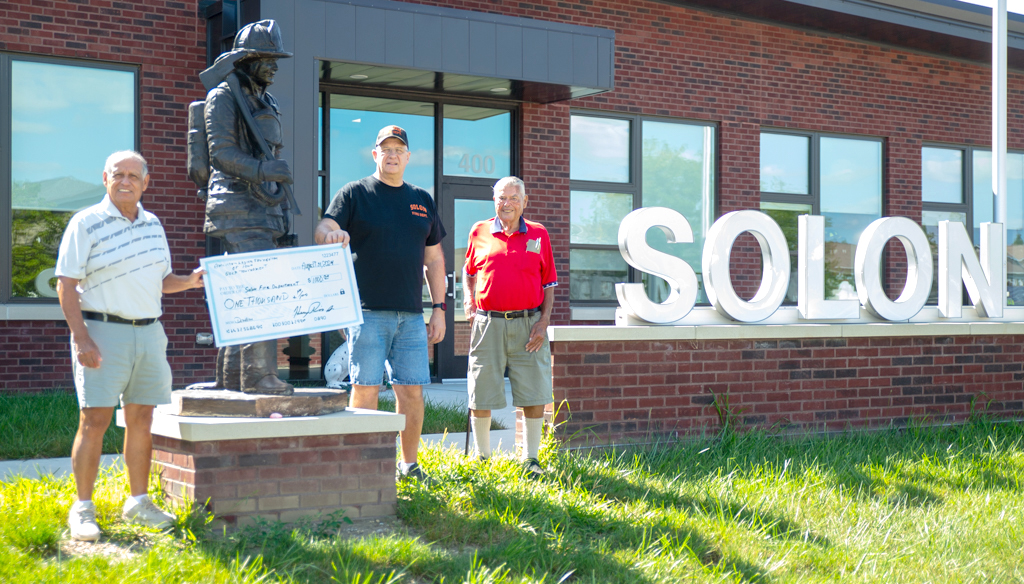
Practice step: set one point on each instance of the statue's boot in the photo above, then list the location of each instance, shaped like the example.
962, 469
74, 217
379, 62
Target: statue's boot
229, 368
259, 370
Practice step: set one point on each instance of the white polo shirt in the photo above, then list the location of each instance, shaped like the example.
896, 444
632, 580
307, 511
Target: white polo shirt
120, 265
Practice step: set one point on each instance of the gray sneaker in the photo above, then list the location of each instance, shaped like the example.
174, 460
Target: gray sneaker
532, 469
146, 513
82, 521
414, 473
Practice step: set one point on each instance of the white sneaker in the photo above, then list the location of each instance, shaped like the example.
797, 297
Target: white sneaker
146, 513
82, 521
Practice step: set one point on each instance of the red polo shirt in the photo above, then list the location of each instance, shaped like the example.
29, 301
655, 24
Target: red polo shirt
512, 270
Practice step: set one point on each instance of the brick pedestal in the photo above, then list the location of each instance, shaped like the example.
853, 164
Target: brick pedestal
280, 469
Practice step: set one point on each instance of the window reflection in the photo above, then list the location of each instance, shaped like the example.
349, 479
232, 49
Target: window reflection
851, 198
65, 121
677, 174
595, 217
930, 221
477, 141
787, 215
851, 175
983, 211
593, 274
355, 122
785, 161
982, 198
599, 149
942, 175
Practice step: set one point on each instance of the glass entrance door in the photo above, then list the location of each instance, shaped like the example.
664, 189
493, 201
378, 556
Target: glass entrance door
477, 152
466, 204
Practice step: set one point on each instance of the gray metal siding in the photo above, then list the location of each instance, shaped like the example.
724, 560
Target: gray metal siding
400, 39
371, 31
482, 58
535, 54
340, 36
454, 46
509, 61
428, 42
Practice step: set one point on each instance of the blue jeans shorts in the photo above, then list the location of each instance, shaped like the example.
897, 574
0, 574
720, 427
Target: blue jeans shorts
399, 337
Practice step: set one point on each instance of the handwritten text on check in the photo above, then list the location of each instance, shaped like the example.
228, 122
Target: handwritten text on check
281, 293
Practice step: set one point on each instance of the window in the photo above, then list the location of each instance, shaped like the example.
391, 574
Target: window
66, 117
838, 177
956, 185
618, 164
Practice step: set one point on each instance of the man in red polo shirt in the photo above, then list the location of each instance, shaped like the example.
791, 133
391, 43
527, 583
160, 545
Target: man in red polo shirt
509, 291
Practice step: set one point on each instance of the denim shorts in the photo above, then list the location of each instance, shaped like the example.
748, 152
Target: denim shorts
399, 337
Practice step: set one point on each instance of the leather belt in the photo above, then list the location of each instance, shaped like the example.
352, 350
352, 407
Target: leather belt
111, 318
509, 314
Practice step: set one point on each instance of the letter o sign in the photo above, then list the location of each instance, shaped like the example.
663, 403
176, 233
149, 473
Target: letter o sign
774, 265
868, 272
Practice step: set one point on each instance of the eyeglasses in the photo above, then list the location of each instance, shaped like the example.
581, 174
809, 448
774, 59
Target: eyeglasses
393, 151
510, 200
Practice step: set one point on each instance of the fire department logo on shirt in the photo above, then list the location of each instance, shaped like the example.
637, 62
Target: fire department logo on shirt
418, 210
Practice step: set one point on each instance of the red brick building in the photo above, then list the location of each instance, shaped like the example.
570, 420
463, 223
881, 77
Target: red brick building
851, 110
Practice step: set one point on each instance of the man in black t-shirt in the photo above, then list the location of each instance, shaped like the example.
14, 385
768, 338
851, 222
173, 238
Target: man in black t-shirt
394, 231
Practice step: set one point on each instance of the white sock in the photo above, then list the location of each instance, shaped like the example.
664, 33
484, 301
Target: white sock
85, 503
534, 429
139, 498
405, 466
482, 435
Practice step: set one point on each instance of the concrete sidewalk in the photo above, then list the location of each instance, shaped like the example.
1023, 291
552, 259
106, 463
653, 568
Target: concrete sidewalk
58, 467
453, 391
450, 392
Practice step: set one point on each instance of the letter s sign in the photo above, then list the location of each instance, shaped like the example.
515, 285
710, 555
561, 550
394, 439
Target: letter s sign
680, 276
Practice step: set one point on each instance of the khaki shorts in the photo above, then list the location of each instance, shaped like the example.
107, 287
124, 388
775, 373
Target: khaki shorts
494, 343
134, 369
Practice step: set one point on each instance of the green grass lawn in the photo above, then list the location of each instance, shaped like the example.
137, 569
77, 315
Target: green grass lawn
918, 505
43, 425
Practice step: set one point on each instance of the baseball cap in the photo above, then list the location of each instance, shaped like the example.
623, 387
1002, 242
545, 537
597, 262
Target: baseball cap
392, 132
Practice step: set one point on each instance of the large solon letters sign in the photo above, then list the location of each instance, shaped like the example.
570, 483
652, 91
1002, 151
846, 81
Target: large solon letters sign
959, 267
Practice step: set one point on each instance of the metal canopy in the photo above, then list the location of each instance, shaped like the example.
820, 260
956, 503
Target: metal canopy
397, 45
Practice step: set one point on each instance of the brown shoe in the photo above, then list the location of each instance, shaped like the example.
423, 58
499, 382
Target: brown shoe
270, 385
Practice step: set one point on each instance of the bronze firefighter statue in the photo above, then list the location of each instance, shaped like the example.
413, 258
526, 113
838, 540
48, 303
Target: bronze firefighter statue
247, 186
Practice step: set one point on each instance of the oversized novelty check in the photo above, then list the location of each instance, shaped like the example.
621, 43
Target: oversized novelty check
281, 293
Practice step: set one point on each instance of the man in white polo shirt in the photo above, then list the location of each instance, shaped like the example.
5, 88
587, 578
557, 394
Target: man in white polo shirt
113, 267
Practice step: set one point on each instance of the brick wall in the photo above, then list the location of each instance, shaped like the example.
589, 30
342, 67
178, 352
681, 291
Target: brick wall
166, 40
282, 479
633, 390
690, 63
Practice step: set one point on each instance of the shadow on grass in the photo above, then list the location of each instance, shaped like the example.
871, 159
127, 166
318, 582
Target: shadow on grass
534, 536
625, 491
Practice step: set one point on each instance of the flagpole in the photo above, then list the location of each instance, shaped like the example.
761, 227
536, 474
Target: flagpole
999, 110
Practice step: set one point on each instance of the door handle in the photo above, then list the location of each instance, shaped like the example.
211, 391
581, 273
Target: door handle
451, 289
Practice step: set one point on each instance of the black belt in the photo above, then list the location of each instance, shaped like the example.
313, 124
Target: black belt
510, 314
111, 318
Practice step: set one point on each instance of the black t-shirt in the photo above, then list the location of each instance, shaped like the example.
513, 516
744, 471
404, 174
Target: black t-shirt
389, 229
